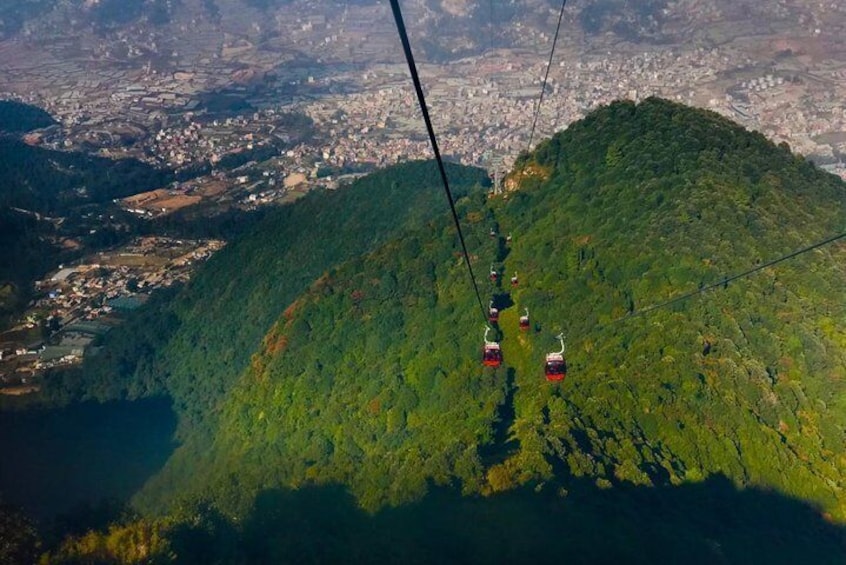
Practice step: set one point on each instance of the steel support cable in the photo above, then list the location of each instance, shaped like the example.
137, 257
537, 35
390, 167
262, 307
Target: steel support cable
546, 76
412, 67
727, 279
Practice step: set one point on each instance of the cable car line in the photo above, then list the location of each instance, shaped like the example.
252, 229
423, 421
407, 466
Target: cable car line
546, 76
725, 280
412, 67
556, 365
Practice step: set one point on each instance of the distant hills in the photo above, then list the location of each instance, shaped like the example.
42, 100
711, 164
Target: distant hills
338, 342
448, 29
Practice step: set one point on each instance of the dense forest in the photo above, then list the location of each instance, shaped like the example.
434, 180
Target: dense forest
51, 182
190, 348
337, 343
372, 363
17, 117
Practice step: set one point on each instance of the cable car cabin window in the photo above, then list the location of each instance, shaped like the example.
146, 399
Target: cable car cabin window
556, 369
492, 356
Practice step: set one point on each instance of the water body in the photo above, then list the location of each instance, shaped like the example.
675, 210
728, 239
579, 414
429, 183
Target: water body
52, 461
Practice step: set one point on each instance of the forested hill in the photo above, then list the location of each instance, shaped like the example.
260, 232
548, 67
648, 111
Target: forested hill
17, 117
195, 346
368, 372
53, 182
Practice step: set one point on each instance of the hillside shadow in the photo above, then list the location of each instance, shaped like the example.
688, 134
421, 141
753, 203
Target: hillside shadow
502, 300
502, 447
503, 249
708, 522
84, 458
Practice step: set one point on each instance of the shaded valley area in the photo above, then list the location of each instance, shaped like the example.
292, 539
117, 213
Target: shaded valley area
57, 461
709, 522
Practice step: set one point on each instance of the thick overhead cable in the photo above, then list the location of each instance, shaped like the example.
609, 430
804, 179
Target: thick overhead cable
546, 76
727, 279
412, 67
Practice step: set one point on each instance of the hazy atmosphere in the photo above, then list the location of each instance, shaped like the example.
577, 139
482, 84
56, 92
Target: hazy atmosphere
240, 322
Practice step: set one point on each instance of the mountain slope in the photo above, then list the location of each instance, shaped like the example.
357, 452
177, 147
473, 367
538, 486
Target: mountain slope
17, 117
363, 381
370, 378
648, 202
53, 182
195, 347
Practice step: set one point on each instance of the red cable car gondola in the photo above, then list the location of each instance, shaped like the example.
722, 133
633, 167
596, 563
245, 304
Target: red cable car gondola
556, 365
493, 313
493, 275
524, 321
492, 354
514, 280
